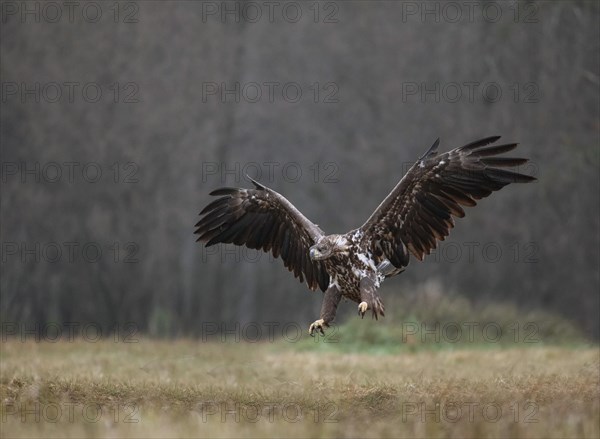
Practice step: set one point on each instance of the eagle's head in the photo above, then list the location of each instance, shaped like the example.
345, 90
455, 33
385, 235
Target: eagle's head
327, 246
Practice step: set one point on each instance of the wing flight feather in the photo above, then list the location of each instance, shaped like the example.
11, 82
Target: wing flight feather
260, 218
420, 209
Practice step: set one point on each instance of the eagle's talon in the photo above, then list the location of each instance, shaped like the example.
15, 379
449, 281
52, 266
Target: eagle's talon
317, 325
378, 310
362, 309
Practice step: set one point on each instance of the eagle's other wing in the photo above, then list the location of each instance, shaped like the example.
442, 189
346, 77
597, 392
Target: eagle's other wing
261, 218
420, 209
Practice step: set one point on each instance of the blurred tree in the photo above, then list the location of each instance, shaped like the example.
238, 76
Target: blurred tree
375, 65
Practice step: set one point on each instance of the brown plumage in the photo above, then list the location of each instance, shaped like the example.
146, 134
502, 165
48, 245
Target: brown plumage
262, 219
411, 220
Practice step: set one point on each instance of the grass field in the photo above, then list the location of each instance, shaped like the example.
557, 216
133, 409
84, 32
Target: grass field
186, 388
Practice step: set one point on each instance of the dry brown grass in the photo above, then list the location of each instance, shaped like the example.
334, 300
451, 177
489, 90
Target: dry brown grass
189, 389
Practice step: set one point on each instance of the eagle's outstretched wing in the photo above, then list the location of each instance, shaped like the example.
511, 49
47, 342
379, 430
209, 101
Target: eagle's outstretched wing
261, 218
420, 209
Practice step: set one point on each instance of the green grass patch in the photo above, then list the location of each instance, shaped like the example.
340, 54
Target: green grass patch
442, 323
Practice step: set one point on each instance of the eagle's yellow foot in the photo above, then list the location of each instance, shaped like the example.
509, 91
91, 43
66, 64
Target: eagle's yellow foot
318, 326
362, 308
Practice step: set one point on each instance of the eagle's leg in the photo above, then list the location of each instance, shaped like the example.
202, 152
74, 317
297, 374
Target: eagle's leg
370, 299
331, 301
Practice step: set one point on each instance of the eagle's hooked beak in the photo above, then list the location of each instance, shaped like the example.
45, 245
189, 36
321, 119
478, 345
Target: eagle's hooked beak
316, 255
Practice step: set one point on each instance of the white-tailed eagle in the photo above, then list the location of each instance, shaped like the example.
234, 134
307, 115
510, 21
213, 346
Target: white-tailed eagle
413, 217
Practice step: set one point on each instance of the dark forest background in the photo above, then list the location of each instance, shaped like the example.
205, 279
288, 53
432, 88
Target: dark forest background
163, 135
